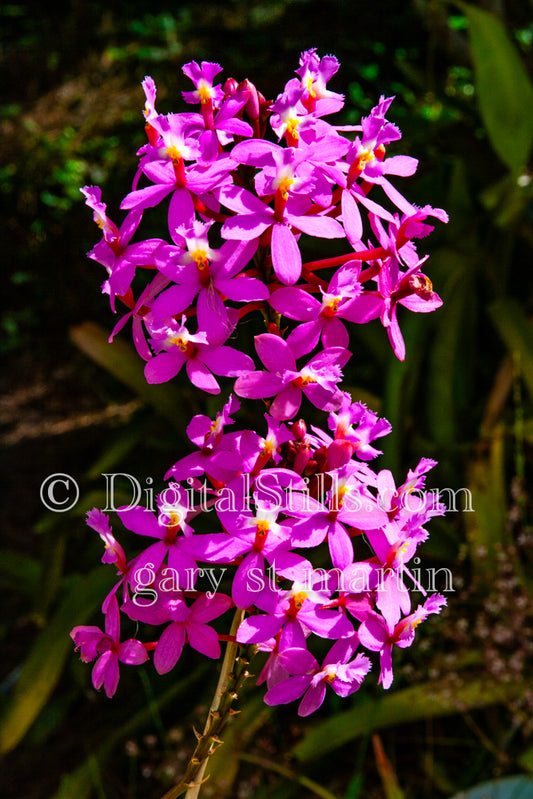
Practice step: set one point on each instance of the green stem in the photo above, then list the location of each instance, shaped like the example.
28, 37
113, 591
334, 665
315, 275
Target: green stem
233, 673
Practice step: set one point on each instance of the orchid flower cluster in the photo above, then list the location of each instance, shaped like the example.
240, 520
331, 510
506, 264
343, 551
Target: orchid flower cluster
306, 538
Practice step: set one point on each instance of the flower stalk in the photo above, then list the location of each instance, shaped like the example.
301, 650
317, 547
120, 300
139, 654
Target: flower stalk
233, 674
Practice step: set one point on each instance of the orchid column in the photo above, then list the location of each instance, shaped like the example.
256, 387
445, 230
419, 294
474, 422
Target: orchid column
286, 503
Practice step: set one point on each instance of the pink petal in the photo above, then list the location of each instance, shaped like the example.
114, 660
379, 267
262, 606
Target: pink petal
258, 385
312, 700
141, 521
228, 362
169, 647
112, 620
287, 691
204, 639
164, 367
275, 353
287, 403
201, 377
243, 592
132, 652
351, 218
286, 256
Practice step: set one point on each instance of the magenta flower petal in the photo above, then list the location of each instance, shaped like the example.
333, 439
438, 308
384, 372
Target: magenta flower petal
175, 300
213, 316
385, 661
181, 208
257, 629
201, 377
304, 338
243, 289
334, 334
312, 699
373, 633
323, 227
258, 385
146, 198
287, 690
204, 639
295, 303
351, 218
245, 580
286, 256
141, 521
297, 660
164, 367
106, 673
169, 647
150, 558
228, 361
132, 652
275, 353
112, 620
246, 227
326, 623
340, 546
207, 608
287, 403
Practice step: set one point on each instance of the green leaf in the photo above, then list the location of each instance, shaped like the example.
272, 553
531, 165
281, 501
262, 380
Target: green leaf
44, 664
519, 787
503, 87
81, 782
123, 362
451, 347
411, 704
486, 528
19, 573
517, 332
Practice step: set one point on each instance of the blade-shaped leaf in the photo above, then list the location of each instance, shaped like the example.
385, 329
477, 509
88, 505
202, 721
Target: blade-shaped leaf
45, 661
411, 704
503, 87
123, 362
486, 528
517, 332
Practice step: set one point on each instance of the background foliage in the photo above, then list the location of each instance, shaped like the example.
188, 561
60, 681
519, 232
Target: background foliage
71, 115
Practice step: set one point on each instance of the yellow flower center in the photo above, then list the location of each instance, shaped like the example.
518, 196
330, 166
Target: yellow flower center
268, 449
292, 125
204, 94
298, 599
180, 342
364, 157
284, 186
174, 154
331, 307
331, 674
200, 258
303, 380
174, 519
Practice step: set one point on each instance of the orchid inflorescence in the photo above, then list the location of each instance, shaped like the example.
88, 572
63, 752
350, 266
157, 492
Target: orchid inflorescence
309, 538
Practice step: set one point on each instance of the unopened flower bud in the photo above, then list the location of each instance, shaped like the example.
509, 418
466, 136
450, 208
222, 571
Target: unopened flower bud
230, 87
252, 104
299, 429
